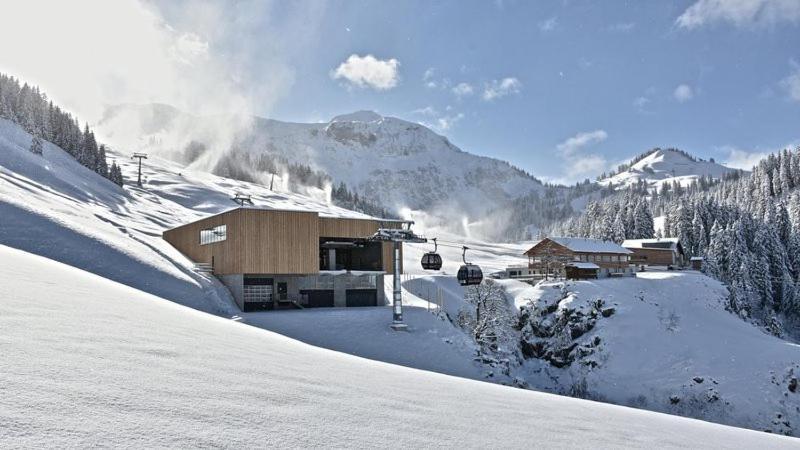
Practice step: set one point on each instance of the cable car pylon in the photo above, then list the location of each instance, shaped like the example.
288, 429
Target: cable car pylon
397, 236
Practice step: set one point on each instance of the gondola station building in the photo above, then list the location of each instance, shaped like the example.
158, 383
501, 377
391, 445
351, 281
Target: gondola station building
272, 258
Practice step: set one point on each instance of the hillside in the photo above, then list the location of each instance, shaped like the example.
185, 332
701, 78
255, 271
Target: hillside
103, 364
666, 166
393, 162
52, 206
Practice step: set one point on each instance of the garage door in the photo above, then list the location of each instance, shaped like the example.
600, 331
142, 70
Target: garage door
362, 297
319, 298
257, 294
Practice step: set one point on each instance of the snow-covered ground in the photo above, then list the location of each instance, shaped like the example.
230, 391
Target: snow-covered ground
88, 362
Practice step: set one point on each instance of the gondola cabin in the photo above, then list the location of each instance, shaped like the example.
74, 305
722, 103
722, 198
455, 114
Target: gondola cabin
469, 274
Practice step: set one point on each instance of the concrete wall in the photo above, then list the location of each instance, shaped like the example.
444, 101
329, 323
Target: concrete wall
235, 284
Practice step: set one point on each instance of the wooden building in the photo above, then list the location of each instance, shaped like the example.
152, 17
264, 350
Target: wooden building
270, 258
588, 258
656, 252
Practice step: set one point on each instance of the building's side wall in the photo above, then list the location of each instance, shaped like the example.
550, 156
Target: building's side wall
186, 239
653, 257
279, 242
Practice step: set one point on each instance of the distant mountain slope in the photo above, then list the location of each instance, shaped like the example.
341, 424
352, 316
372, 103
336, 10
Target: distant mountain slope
666, 166
396, 163
89, 362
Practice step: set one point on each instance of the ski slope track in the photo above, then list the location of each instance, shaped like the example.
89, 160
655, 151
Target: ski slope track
103, 364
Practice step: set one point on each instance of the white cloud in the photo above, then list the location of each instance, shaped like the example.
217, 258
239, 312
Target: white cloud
426, 111
497, 89
641, 103
463, 90
548, 25
427, 78
740, 13
444, 123
742, 159
572, 145
746, 159
440, 122
683, 93
579, 165
368, 71
792, 84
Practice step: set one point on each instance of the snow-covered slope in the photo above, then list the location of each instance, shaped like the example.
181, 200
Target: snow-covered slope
667, 166
52, 206
396, 163
102, 364
668, 345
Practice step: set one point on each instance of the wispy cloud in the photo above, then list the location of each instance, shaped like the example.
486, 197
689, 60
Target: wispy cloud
746, 159
742, 159
683, 93
578, 164
624, 27
792, 83
440, 122
501, 88
573, 144
740, 13
641, 103
368, 71
463, 90
548, 25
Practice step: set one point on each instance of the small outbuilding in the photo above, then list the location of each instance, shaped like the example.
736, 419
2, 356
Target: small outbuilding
697, 262
581, 270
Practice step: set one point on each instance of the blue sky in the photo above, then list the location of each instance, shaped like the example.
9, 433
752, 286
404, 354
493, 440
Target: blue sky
627, 76
564, 89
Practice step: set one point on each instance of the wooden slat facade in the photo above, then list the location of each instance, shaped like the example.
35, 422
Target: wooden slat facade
262, 241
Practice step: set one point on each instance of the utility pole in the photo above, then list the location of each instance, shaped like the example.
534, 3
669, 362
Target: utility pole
397, 236
140, 156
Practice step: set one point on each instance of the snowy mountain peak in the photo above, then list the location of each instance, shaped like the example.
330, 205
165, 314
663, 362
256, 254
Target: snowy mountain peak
660, 166
358, 116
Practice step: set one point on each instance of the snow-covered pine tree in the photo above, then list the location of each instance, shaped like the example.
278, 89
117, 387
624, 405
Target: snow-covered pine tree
36, 145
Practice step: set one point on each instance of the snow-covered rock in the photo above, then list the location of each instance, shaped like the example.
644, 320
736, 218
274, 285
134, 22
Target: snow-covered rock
666, 344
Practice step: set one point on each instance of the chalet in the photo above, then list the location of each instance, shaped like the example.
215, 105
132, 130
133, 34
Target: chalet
272, 258
656, 252
578, 258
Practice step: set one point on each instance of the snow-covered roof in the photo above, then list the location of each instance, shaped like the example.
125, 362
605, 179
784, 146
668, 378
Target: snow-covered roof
652, 244
588, 245
583, 265
696, 258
